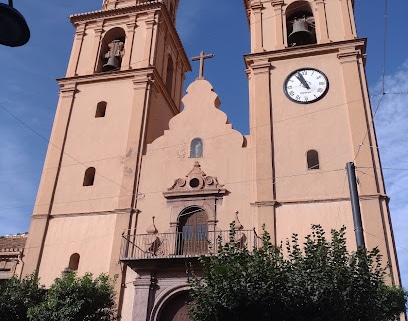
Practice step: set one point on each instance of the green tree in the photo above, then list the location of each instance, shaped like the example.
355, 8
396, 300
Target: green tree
16, 297
73, 298
318, 280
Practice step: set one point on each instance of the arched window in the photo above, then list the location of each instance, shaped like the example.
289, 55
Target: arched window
300, 24
196, 148
100, 109
312, 159
169, 74
74, 262
111, 50
89, 176
192, 232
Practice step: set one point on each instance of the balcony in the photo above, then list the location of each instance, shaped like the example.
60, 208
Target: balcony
181, 245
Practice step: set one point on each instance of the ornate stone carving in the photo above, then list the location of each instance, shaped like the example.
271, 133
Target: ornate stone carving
196, 182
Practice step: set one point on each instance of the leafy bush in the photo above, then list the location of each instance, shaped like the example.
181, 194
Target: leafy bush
17, 296
318, 280
73, 298
70, 298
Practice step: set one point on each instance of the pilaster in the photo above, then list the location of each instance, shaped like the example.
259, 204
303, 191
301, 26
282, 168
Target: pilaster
141, 298
136, 139
256, 30
348, 19
45, 196
266, 218
279, 27
360, 119
98, 30
130, 35
55, 151
76, 50
321, 22
150, 46
261, 129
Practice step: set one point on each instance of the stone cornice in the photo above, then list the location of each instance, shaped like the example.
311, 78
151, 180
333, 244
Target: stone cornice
309, 50
264, 204
117, 211
280, 202
277, 3
108, 76
139, 76
107, 13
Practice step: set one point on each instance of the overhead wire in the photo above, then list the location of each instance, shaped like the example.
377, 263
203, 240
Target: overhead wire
177, 144
54, 145
142, 195
160, 148
382, 77
63, 151
221, 33
383, 92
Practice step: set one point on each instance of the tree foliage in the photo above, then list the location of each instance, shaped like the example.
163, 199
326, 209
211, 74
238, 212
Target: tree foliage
73, 298
70, 298
318, 280
17, 296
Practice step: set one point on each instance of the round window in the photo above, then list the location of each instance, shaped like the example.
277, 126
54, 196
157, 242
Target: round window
194, 182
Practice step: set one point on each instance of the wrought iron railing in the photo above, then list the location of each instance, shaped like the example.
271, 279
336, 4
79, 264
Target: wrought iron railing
182, 244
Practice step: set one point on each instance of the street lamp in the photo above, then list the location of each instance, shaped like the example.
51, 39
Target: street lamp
14, 30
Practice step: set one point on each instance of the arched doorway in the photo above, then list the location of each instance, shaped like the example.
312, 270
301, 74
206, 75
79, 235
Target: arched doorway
192, 232
176, 309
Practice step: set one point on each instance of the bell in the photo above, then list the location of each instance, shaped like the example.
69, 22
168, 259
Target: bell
300, 34
112, 64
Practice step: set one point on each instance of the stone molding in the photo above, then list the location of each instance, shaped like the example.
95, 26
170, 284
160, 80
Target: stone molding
196, 189
362, 197
165, 296
196, 182
309, 50
115, 212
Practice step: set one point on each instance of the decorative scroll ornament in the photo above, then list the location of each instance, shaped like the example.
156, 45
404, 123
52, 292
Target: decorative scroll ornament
196, 182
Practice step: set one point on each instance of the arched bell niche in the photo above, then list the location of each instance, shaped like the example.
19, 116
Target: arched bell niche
300, 24
111, 50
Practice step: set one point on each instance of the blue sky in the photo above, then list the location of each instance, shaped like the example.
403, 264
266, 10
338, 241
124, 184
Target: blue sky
29, 92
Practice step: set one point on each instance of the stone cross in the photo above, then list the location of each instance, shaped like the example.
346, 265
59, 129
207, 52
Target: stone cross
201, 57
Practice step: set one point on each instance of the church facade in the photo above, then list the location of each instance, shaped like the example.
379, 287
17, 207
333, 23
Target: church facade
137, 186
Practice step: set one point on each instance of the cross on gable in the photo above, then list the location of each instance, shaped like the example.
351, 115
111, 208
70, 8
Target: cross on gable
201, 57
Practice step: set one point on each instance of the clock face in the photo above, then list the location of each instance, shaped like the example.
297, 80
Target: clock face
306, 85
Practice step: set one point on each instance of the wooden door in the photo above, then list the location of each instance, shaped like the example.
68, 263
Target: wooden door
176, 309
193, 234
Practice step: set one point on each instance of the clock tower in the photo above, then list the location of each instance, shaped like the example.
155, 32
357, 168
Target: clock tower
310, 114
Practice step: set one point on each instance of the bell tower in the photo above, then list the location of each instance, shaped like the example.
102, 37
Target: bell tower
123, 84
310, 114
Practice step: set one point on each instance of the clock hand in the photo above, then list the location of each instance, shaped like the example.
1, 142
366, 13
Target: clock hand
300, 77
